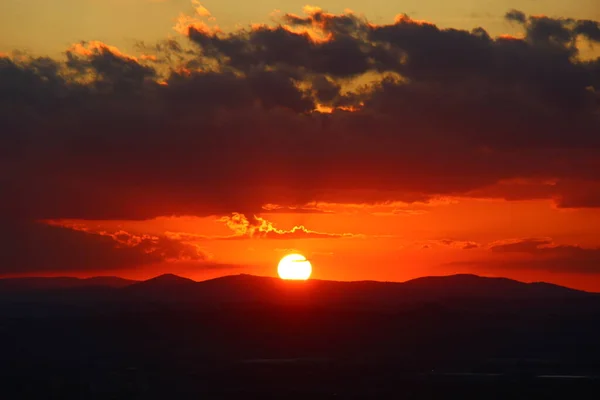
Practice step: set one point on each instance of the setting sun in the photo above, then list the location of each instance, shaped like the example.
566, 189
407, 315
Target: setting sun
294, 267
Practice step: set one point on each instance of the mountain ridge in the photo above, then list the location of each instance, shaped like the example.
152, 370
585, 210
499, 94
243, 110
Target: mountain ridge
173, 279
251, 289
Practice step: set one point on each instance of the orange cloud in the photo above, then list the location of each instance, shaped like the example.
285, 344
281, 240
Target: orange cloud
405, 19
315, 35
92, 47
311, 10
376, 208
200, 9
258, 227
329, 110
315, 25
510, 37
184, 21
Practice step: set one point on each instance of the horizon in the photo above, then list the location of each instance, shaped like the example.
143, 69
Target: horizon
168, 274
382, 142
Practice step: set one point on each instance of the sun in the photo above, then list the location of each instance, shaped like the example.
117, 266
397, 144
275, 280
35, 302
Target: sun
294, 267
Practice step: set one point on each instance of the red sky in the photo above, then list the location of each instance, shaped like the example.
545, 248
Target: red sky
394, 242
380, 150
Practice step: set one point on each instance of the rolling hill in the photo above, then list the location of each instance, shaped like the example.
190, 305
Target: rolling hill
249, 289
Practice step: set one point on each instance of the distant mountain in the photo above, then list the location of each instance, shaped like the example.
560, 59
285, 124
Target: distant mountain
247, 289
250, 336
165, 280
164, 287
110, 281
464, 285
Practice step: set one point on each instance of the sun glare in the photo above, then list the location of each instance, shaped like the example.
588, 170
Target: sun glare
294, 267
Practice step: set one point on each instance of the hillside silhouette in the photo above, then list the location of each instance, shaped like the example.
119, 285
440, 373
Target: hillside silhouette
249, 289
244, 335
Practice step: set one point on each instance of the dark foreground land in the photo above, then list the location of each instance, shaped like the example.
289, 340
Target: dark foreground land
165, 339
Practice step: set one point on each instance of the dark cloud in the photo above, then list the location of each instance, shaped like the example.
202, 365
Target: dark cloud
113, 71
226, 123
280, 48
561, 31
538, 254
32, 247
516, 16
530, 245
589, 29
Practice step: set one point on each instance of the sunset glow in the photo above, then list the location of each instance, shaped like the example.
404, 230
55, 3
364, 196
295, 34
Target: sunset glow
386, 141
281, 199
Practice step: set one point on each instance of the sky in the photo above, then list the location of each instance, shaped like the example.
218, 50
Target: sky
384, 141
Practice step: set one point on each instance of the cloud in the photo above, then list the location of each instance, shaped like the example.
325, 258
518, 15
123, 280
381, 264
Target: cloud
379, 208
111, 70
200, 9
560, 32
530, 245
36, 247
259, 228
256, 227
516, 16
195, 21
538, 254
303, 209
400, 211
452, 243
220, 122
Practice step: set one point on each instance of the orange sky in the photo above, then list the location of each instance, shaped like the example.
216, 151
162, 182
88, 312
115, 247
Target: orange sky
382, 141
393, 242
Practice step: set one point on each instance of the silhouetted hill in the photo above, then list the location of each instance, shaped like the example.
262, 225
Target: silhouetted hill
111, 281
165, 280
464, 285
165, 287
261, 337
249, 289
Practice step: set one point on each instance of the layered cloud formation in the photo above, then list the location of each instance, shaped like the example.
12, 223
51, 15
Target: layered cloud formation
540, 254
319, 107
